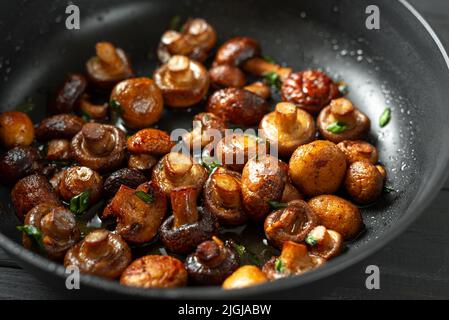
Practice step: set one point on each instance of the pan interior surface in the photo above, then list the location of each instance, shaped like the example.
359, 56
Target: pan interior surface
398, 66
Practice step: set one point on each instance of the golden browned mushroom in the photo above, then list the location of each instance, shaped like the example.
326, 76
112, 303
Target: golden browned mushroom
226, 76
155, 271
292, 223
238, 106
309, 90
178, 170
57, 228
205, 126
223, 197
61, 126
142, 162
139, 212
140, 100
100, 147
92, 110
17, 163
337, 214
359, 150
263, 180
244, 277
317, 168
59, 149
68, 94
294, 260
342, 121
364, 182
183, 82
76, 180
16, 129
150, 141
109, 66
288, 127
324, 243
187, 227
290, 193
101, 253
259, 88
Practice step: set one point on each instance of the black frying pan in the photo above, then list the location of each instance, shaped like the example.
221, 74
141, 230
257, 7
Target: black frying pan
402, 65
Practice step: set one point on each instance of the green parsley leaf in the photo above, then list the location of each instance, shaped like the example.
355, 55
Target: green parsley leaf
145, 197
239, 248
276, 205
273, 79
311, 240
385, 117
209, 164
80, 203
337, 127
33, 233
279, 265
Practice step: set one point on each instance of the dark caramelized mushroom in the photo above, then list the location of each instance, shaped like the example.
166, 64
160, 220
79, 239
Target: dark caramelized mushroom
364, 182
68, 94
17, 163
16, 129
226, 76
31, 191
59, 149
140, 100
77, 180
177, 170
155, 271
237, 50
294, 260
288, 127
61, 126
183, 82
290, 224
127, 177
109, 66
324, 243
342, 121
186, 228
142, 162
205, 126
212, 262
58, 228
139, 212
238, 106
150, 141
309, 90
92, 110
259, 88
263, 180
359, 150
101, 253
223, 197
100, 147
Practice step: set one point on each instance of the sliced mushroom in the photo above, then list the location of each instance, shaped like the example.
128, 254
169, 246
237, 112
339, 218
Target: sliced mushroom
17, 163
290, 224
150, 141
101, 253
109, 66
61, 126
183, 82
212, 262
59, 149
16, 129
226, 76
364, 182
139, 212
128, 177
342, 121
100, 147
92, 110
223, 197
288, 127
76, 180
140, 100
309, 90
244, 277
68, 94
359, 150
186, 228
324, 243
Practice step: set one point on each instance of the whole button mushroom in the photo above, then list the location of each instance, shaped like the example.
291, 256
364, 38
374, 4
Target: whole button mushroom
76, 180
294, 260
61, 126
57, 228
68, 95
101, 253
226, 76
222, 197
17, 163
359, 150
183, 82
288, 127
324, 243
100, 147
139, 212
244, 277
140, 100
263, 180
178, 170
128, 177
342, 121
155, 271
309, 90
142, 162
364, 182
109, 66
212, 262
186, 228
238, 106
150, 141
337, 214
292, 223
317, 168
59, 149
16, 129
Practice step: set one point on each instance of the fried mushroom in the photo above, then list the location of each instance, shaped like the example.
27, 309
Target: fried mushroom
226, 76
128, 177
76, 180
19, 162
68, 95
244, 277
150, 141
16, 129
61, 126
364, 182
324, 243
359, 150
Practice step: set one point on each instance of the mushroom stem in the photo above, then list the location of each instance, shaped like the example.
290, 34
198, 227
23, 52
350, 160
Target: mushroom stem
211, 253
198, 29
96, 111
179, 70
177, 165
183, 201
94, 243
97, 139
228, 190
258, 66
260, 89
286, 116
295, 255
108, 56
343, 110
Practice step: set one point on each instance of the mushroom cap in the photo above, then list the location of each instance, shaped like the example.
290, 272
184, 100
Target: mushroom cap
68, 94
359, 150
150, 141
16, 129
76, 180
245, 276
17, 163
237, 50
364, 182
329, 243
61, 126
226, 76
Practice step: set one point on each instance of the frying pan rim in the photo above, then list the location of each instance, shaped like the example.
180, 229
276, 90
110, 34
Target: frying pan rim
331, 268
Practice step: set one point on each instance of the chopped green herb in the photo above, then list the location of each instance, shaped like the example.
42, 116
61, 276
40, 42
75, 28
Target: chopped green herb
239, 248
337, 127
342, 88
25, 107
279, 266
116, 110
80, 203
389, 189
311, 240
209, 164
385, 117
145, 197
268, 58
276, 205
273, 79
175, 23
33, 233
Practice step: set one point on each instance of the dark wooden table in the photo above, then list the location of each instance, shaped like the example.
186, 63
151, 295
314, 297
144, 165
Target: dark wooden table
414, 266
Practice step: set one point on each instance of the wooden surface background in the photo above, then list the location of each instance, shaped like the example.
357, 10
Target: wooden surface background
414, 266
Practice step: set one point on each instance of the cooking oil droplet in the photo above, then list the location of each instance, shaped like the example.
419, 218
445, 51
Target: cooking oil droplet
303, 15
